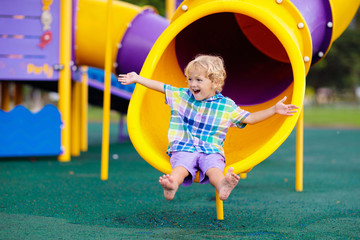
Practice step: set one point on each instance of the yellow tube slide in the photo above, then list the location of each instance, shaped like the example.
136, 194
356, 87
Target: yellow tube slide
90, 29
259, 73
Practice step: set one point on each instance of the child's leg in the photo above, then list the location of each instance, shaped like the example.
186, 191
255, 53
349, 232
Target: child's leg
223, 184
170, 183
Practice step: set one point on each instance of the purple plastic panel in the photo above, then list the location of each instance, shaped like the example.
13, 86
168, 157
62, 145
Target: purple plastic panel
252, 77
317, 13
138, 40
29, 46
178, 3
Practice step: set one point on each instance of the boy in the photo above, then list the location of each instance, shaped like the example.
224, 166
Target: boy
200, 119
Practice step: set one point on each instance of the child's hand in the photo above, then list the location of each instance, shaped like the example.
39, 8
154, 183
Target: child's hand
127, 79
283, 109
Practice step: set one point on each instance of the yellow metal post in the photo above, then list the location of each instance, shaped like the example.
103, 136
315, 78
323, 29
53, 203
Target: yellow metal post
219, 207
84, 110
18, 94
5, 96
299, 152
106, 106
65, 78
75, 119
170, 8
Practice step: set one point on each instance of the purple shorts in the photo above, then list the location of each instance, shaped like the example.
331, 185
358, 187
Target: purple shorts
197, 161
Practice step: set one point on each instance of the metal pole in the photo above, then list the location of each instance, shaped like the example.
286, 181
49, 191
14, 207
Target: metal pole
299, 152
106, 107
65, 78
84, 109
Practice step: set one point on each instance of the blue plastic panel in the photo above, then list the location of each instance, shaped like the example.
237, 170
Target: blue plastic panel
23, 133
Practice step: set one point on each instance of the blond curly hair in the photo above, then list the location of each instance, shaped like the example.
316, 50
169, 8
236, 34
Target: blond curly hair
213, 66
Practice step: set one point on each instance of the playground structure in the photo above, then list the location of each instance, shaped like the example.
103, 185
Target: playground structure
268, 47
60, 46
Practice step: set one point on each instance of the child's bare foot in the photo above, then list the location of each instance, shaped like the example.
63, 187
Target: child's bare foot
169, 185
228, 184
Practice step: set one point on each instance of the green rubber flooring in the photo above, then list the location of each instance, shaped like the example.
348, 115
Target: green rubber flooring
41, 198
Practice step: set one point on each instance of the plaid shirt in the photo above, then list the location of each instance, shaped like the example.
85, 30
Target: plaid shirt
200, 125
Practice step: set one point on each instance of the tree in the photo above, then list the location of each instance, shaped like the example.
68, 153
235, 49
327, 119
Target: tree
159, 5
340, 69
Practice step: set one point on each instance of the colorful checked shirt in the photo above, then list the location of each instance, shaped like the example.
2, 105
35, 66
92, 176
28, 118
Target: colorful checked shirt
200, 125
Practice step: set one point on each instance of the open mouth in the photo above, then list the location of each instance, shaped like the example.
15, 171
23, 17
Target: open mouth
196, 91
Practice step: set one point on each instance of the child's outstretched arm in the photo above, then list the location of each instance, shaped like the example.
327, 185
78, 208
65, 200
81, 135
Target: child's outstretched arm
132, 77
278, 108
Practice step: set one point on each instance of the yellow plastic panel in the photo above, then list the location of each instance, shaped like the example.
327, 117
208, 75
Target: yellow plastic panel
343, 12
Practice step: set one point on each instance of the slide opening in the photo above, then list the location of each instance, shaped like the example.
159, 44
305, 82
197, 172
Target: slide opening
257, 65
259, 71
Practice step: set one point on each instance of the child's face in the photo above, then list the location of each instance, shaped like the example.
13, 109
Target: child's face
200, 85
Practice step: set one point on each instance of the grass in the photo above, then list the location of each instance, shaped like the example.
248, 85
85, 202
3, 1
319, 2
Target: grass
314, 116
95, 114
332, 116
